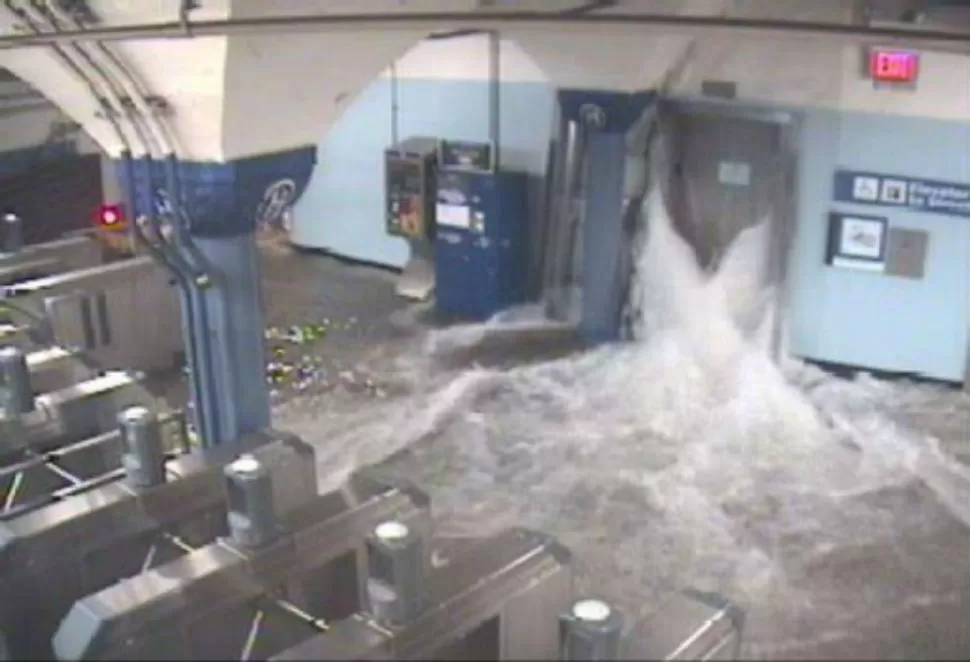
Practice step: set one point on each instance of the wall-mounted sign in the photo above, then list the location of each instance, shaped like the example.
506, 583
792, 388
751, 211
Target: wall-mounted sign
454, 216
732, 173
469, 156
935, 197
857, 242
906, 253
893, 66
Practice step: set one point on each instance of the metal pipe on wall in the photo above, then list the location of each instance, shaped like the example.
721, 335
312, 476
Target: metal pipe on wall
568, 187
111, 69
85, 59
495, 96
33, 97
74, 59
8, 111
197, 326
184, 255
395, 108
430, 22
126, 152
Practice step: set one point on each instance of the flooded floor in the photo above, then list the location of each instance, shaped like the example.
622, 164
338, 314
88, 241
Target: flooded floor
836, 512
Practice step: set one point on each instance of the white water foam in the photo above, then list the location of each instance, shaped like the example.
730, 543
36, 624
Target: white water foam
687, 457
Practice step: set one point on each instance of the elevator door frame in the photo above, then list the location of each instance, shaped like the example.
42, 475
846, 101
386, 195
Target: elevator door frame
783, 235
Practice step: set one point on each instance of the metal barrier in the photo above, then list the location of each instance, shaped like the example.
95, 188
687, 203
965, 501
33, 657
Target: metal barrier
114, 519
38, 423
272, 580
79, 251
124, 314
495, 598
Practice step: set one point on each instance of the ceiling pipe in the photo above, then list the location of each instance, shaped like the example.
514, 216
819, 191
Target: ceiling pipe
588, 7
111, 69
698, 26
18, 109
585, 8
110, 106
23, 96
82, 55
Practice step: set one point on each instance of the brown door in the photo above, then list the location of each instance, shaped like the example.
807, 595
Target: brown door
727, 174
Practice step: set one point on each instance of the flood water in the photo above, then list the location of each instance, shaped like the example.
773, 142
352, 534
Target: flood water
827, 508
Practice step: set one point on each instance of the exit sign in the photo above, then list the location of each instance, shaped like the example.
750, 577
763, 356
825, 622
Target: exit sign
893, 66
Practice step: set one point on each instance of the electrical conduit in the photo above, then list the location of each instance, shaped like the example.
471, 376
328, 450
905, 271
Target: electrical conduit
79, 61
194, 303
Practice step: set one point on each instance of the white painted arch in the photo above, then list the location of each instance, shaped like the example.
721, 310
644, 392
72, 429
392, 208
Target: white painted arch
250, 94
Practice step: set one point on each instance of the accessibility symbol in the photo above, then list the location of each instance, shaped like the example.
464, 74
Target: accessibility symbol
866, 189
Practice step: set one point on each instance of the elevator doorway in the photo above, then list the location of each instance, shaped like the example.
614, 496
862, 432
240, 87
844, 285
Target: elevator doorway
729, 170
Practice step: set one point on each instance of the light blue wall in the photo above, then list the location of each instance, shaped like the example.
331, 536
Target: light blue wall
343, 208
869, 319
838, 315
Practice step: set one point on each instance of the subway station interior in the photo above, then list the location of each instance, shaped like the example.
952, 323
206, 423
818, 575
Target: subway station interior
484, 329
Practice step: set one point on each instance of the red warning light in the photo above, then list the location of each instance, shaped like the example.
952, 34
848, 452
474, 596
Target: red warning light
892, 66
110, 216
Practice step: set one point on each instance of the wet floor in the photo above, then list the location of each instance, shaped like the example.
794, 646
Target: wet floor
835, 512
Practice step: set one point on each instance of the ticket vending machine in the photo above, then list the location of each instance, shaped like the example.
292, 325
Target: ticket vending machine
481, 254
410, 168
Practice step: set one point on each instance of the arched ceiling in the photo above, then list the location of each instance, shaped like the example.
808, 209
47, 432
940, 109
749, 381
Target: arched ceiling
285, 91
250, 93
188, 74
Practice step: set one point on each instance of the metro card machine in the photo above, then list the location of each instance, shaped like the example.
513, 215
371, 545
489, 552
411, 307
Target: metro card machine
481, 256
409, 168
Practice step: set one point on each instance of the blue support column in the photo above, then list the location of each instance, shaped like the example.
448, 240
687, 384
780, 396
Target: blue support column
221, 206
603, 236
606, 117
234, 327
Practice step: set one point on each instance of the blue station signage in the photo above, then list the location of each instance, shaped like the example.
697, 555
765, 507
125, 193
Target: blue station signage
924, 195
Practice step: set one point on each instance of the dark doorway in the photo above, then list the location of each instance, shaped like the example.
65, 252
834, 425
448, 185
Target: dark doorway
54, 197
731, 169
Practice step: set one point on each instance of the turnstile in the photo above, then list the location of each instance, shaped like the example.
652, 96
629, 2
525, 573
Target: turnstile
274, 579
123, 314
78, 251
137, 499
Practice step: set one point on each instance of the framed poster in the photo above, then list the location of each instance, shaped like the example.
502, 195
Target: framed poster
857, 241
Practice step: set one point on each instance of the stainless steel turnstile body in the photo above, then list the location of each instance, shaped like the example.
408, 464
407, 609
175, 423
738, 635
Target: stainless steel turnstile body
78, 251
124, 314
226, 601
71, 413
61, 547
494, 598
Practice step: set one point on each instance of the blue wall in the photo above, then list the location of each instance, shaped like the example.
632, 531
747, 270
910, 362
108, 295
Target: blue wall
342, 211
870, 319
222, 199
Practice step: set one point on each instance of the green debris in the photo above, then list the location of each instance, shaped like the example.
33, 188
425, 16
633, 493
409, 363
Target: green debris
307, 333
292, 365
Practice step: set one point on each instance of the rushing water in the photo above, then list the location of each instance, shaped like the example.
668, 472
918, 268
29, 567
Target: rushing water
687, 457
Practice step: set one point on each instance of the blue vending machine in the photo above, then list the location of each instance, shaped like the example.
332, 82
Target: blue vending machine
481, 255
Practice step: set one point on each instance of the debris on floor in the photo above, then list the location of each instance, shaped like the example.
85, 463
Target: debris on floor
297, 364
